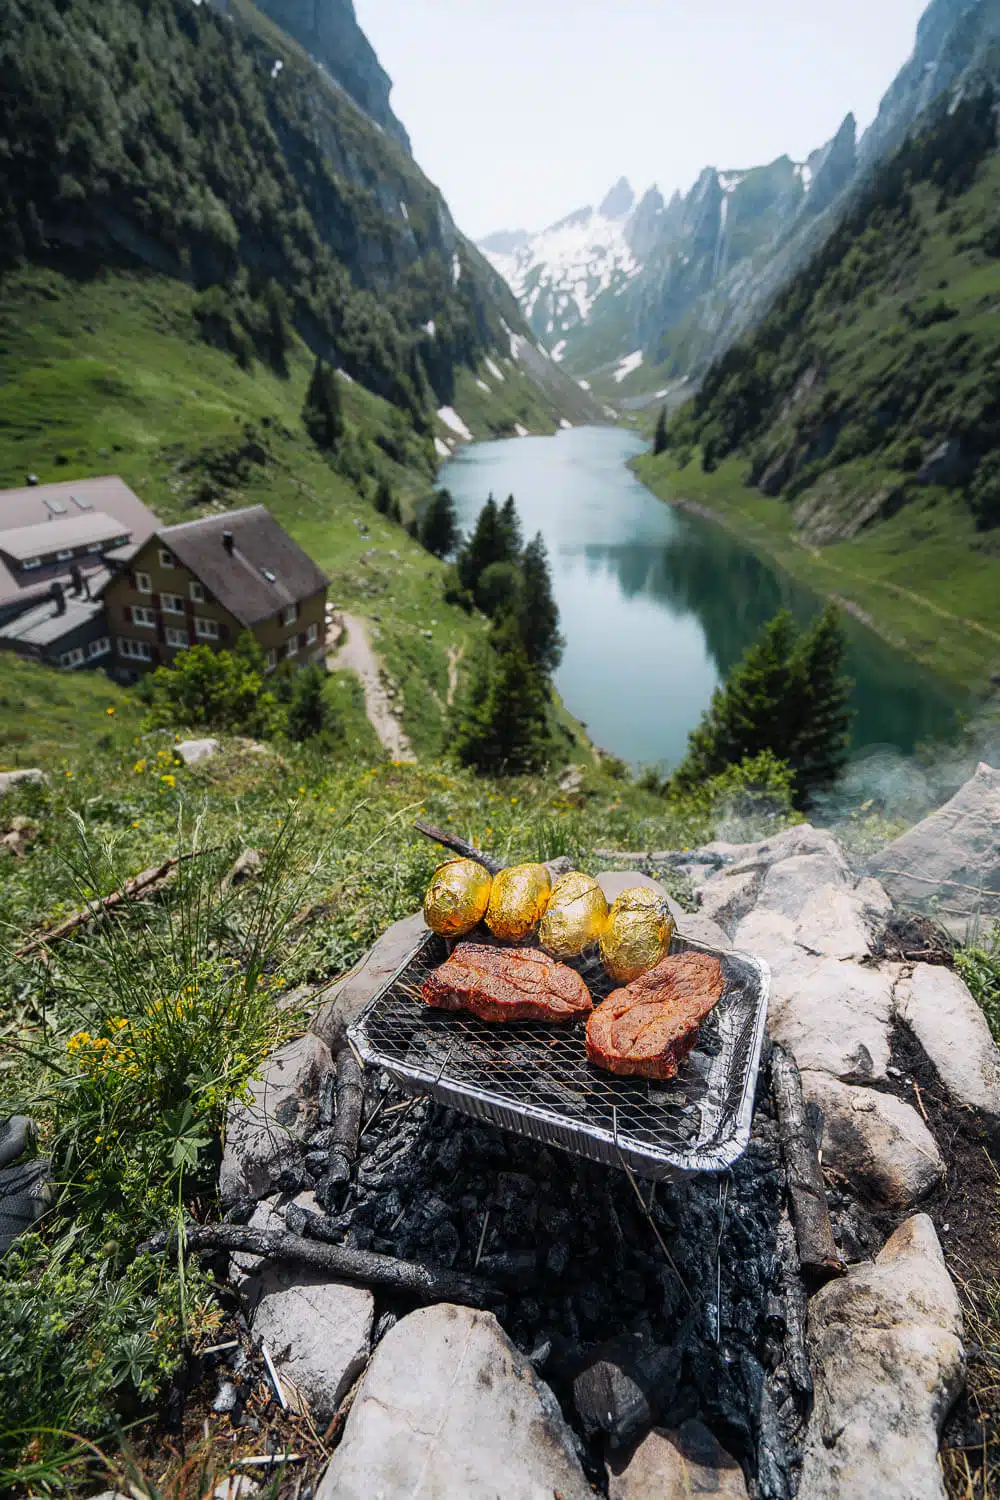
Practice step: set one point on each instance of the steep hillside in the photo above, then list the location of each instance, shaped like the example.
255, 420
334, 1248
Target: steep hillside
857, 430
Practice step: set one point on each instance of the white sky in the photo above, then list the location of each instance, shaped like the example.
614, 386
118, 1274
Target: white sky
523, 110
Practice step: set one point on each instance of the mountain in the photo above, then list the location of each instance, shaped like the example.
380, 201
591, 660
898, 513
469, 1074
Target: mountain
855, 431
672, 283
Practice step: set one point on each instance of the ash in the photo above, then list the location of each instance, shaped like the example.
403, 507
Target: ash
627, 1331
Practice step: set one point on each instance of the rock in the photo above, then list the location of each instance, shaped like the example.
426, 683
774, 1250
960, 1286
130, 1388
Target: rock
791, 884
570, 781
727, 899
877, 1142
192, 752
317, 1331
624, 1388
667, 1464
345, 1000
701, 929
841, 923
886, 1352
236, 1487
952, 1030
249, 864
947, 464
949, 865
833, 1016
11, 779
262, 1136
448, 1410
20, 834
561, 865
789, 844
613, 882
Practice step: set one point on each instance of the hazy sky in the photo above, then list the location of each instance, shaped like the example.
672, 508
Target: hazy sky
522, 110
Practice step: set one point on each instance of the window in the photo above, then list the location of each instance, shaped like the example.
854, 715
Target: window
71, 658
290, 614
143, 583
30, 562
271, 660
206, 630
143, 616
96, 547
136, 650
311, 635
172, 604
100, 647
176, 637
64, 556
292, 647
166, 558
196, 591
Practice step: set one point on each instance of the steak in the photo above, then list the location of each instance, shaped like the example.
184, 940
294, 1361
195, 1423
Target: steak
507, 984
648, 1027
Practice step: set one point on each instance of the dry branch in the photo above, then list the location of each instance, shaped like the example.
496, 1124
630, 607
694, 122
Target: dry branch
452, 841
818, 1252
94, 910
350, 1096
424, 1283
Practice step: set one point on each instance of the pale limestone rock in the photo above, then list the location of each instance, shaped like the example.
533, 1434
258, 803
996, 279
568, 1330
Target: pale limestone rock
193, 752
449, 1410
11, 779
886, 1353
790, 844
317, 1331
701, 929
792, 883
877, 1142
842, 923
613, 882
343, 1003
832, 1016
682, 1463
952, 1030
262, 1136
949, 865
727, 899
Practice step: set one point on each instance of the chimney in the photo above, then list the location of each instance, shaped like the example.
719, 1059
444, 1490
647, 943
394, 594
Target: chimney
56, 590
227, 542
76, 577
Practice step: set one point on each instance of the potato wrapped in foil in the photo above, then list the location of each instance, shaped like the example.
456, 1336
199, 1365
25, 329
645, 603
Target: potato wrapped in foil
518, 900
637, 934
457, 897
574, 917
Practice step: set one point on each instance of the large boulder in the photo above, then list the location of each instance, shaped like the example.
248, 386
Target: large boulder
193, 752
449, 1410
877, 1142
343, 1003
263, 1136
885, 1347
9, 780
952, 1030
833, 1016
317, 1332
949, 865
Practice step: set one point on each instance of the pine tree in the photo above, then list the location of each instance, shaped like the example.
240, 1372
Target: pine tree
383, 501
323, 412
660, 435
277, 334
439, 531
539, 613
486, 545
823, 732
510, 526
501, 728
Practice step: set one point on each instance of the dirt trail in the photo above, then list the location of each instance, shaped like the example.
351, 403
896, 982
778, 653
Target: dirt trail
455, 654
357, 655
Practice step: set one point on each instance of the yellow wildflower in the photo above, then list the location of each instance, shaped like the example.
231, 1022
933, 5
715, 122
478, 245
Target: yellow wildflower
110, 711
139, 767
169, 780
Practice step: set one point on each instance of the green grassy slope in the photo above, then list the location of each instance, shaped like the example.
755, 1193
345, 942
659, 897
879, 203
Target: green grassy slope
107, 374
807, 438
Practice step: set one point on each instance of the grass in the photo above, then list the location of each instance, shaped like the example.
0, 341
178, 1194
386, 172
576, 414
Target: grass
917, 579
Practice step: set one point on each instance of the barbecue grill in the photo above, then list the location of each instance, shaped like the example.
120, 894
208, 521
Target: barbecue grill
533, 1077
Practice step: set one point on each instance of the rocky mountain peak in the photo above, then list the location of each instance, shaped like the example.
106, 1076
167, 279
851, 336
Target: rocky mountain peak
619, 200
329, 31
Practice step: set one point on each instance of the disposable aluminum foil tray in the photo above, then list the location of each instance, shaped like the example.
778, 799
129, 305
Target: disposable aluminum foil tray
534, 1078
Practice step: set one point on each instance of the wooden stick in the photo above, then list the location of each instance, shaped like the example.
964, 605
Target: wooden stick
96, 909
350, 1096
818, 1252
424, 1283
796, 1312
452, 841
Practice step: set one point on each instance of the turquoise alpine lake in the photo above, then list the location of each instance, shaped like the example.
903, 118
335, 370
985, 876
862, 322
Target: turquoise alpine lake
657, 605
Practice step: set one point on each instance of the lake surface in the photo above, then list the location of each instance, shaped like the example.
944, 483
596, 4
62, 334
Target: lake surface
657, 605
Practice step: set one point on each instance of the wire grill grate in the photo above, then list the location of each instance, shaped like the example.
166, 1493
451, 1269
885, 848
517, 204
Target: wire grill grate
534, 1078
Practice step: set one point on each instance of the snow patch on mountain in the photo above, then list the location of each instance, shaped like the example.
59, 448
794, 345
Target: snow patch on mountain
626, 366
449, 416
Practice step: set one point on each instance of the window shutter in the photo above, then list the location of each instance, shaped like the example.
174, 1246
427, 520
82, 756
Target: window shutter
302, 640
156, 601
128, 614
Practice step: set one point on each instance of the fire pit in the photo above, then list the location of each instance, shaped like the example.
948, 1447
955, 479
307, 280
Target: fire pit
533, 1078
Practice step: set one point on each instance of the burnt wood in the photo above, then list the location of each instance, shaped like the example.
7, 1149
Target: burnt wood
349, 1095
459, 846
818, 1252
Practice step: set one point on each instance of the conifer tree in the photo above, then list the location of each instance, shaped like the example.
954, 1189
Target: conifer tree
486, 545
823, 732
439, 532
660, 435
323, 412
510, 526
383, 501
539, 613
501, 729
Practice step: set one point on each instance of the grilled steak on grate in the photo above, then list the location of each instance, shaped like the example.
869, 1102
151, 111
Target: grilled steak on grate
507, 984
649, 1027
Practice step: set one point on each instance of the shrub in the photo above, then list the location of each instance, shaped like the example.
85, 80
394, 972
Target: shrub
206, 689
979, 966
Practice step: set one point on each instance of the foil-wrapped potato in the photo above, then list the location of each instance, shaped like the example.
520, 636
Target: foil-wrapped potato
636, 935
574, 917
457, 897
518, 900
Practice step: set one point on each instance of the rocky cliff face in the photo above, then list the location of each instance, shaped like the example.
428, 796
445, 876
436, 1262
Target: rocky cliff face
329, 31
